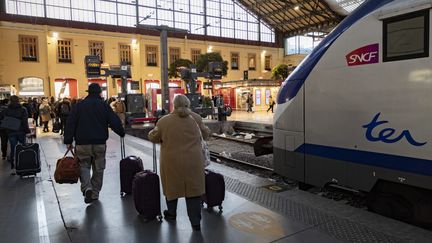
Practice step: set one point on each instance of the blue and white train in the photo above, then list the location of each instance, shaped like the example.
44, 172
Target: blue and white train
358, 110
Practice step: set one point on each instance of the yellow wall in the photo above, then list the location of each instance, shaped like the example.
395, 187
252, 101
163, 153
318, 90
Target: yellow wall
294, 60
47, 68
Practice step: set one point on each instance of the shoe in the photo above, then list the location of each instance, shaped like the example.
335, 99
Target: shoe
13, 172
196, 227
169, 216
88, 196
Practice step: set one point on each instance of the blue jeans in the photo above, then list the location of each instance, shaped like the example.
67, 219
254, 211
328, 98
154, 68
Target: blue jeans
13, 140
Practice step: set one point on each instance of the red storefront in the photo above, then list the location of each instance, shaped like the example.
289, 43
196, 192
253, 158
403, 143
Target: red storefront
65, 87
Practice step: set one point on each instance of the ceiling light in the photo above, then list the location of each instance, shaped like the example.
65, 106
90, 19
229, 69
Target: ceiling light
55, 35
297, 8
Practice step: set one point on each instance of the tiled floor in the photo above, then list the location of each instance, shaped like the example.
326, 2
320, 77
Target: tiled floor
39, 210
114, 219
256, 117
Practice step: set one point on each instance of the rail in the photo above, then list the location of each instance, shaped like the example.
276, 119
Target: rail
218, 156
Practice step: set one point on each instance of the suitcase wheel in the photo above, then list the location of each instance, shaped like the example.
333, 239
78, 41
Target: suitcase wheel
220, 209
159, 218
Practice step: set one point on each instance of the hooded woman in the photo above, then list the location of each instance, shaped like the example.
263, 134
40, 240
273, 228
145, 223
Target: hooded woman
181, 159
45, 113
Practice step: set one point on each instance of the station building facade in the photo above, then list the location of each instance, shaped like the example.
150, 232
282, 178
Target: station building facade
52, 56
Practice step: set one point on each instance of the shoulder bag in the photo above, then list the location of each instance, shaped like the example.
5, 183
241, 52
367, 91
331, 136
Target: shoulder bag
204, 147
10, 123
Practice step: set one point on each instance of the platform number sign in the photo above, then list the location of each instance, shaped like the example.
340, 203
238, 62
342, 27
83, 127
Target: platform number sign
93, 66
245, 75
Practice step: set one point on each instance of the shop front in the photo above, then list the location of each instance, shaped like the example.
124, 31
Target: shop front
133, 87
155, 84
65, 87
236, 93
30, 86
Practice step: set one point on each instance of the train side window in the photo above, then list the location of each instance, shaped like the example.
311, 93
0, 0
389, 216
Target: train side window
406, 36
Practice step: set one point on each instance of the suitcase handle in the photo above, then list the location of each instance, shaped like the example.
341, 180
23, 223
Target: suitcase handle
69, 150
122, 148
154, 159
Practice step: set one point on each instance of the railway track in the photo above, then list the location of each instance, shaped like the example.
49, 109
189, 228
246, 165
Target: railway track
216, 155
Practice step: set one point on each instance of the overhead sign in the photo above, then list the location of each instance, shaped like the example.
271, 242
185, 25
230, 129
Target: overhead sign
245, 75
364, 55
92, 66
134, 85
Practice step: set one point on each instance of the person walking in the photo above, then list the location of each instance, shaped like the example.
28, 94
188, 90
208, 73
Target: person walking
251, 103
248, 104
119, 108
63, 110
271, 104
181, 159
3, 132
36, 112
87, 125
17, 111
45, 113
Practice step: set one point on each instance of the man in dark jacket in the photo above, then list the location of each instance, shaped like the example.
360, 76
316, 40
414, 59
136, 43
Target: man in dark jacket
3, 132
63, 110
88, 125
17, 111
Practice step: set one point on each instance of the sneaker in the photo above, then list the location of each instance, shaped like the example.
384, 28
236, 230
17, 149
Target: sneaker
196, 227
169, 216
88, 196
13, 172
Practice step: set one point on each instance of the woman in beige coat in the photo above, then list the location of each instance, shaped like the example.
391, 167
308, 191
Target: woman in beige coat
45, 113
181, 159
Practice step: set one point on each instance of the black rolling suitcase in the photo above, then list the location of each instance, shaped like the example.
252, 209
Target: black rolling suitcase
129, 166
146, 192
27, 159
56, 126
214, 190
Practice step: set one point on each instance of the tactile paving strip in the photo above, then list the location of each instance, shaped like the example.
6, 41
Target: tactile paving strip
339, 228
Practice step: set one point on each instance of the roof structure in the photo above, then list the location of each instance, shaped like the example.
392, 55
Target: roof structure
297, 17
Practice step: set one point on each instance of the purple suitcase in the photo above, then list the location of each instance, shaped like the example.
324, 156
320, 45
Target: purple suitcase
129, 166
146, 192
214, 190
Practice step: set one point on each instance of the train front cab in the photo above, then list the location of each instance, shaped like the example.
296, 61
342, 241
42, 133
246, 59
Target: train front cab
318, 134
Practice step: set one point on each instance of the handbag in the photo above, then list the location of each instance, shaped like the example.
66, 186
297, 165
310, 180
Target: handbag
67, 169
10, 123
204, 147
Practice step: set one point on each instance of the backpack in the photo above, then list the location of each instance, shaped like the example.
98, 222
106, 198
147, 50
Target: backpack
31, 108
45, 110
118, 107
64, 109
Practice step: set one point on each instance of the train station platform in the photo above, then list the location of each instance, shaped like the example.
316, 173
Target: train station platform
36, 209
262, 117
